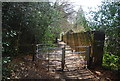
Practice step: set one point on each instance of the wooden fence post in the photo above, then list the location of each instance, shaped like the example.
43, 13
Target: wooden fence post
62, 38
98, 44
63, 58
34, 53
88, 51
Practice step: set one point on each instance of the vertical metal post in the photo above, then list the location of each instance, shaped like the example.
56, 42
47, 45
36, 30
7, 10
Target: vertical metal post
63, 58
88, 50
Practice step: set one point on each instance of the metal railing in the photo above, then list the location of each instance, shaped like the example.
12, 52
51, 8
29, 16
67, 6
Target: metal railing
51, 55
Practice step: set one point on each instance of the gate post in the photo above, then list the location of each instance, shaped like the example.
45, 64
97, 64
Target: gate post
34, 53
88, 51
63, 58
98, 45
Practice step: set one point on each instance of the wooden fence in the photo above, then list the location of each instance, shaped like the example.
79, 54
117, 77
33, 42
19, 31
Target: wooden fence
77, 39
95, 39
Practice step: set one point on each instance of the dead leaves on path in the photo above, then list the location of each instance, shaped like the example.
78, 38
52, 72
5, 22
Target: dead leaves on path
29, 69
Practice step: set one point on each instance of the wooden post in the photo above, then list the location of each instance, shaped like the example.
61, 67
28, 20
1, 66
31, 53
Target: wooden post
98, 44
88, 51
63, 58
75, 41
62, 37
34, 47
34, 53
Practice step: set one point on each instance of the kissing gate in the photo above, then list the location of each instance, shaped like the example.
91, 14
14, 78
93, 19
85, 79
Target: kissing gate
63, 57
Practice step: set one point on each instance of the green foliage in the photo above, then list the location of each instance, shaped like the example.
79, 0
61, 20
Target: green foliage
28, 23
80, 21
111, 61
107, 19
6, 72
6, 60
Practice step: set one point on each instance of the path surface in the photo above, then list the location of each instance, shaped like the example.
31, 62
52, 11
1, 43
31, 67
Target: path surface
25, 68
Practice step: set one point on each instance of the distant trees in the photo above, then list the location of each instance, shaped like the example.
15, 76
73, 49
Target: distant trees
65, 11
80, 22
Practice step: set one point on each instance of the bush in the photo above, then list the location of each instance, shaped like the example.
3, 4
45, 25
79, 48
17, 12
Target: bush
111, 61
6, 72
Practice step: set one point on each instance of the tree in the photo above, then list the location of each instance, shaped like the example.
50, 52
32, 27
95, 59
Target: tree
107, 19
63, 13
30, 23
32, 19
80, 21
25, 24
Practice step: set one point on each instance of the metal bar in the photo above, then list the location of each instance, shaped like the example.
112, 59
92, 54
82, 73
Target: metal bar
44, 44
76, 52
68, 49
74, 63
55, 53
67, 56
61, 44
79, 46
73, 58
51, 53
56, 48
63, 58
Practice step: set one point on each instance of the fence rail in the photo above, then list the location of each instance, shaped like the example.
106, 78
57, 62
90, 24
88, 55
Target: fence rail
61, 58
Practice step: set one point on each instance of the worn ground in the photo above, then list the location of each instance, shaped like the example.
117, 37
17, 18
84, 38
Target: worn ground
27, 69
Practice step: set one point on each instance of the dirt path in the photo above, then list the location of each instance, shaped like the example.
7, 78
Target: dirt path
25, 68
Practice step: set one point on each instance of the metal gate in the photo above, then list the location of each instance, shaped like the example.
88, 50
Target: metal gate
63, 57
